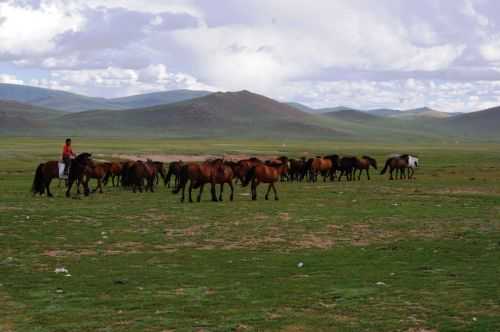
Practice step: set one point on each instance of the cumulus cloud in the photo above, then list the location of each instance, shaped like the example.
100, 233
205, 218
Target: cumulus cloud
26, 29
10, 79
114, 81
398, 94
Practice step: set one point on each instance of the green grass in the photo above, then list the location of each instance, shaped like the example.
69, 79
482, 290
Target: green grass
378, 255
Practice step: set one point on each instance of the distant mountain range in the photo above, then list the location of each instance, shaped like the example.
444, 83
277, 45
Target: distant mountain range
71, 102
424, 112
184, 113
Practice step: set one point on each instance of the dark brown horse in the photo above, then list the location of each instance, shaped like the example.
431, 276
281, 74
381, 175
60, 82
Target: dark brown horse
364, 163
174, 169
346, 167
261, 173
77, 172
297, 169
139, 172
46, 172
398, 163
160, 171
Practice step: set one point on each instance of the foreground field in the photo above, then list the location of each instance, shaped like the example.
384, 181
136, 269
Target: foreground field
377, 255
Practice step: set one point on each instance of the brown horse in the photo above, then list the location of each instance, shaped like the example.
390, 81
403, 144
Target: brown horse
364, 163
321, 166
44, 174
197, 175
114, 172
261, 173
223, 173
96, 171
244, 166
399, 163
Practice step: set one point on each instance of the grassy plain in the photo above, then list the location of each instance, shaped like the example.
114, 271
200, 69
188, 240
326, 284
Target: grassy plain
377, 255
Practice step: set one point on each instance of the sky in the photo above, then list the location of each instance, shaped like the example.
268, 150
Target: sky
359, 53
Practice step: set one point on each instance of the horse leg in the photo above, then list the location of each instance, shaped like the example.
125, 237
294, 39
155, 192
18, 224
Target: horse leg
190, 191
200, 192
268, 190
232, 190
47, 186
275, 192
221, 190
391, 177
183, 190
253, 190
212, 191
368, 173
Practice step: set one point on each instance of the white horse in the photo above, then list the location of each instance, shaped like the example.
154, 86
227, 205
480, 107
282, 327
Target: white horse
412, 164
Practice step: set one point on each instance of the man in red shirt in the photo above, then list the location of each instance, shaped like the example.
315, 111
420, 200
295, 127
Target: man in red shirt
67, 155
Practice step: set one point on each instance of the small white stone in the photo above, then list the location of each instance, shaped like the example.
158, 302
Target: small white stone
301, 264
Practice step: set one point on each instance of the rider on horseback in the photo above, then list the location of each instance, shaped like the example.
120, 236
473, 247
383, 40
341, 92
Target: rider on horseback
67, 155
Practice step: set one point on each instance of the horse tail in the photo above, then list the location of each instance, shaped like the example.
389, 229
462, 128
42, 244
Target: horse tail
38, 182
386, 165
183, 179
248, 177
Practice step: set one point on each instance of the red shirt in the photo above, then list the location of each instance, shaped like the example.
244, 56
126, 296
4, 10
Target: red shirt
67, 151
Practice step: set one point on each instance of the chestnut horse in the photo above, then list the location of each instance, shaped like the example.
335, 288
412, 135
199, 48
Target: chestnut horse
398, 163
96, 171
114, 172
244, 166
364, 163
223, 173
261, 173
197, 175
321, 166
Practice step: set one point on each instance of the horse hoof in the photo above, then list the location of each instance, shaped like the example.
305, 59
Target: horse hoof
266, 198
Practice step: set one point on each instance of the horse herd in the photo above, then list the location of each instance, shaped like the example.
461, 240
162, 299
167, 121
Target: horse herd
144, 175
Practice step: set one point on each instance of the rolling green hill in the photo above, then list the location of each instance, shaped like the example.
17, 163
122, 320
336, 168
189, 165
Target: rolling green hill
484, 123
219, 114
